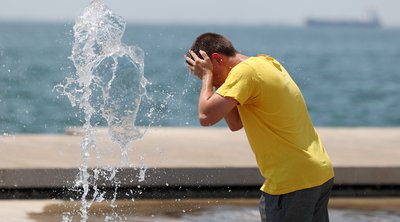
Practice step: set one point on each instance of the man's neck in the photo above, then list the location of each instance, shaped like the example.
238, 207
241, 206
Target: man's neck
238, 58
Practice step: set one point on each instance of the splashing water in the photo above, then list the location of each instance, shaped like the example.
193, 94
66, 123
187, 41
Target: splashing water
108, 86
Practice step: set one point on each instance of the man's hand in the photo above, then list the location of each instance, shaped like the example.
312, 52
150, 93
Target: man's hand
199, 67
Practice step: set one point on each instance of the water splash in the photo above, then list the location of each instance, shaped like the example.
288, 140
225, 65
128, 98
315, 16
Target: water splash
108, 86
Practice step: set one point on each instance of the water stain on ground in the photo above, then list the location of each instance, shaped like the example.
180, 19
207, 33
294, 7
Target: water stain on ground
128, 210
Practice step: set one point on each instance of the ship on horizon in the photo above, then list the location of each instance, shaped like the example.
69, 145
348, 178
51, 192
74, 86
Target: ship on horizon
372, 22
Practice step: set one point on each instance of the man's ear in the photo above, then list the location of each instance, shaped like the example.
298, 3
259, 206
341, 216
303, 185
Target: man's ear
217, 57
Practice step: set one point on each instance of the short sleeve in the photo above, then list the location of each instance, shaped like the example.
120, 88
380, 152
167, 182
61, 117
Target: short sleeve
240, 84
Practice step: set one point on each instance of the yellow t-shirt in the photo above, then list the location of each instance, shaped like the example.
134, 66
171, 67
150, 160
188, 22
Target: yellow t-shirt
288, 150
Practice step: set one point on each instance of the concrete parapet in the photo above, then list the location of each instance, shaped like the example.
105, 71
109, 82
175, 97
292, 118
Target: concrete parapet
196, 159
49, 178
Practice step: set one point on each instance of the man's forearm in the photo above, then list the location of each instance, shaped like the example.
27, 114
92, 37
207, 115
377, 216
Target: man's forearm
214, 107
233, 120
205, 94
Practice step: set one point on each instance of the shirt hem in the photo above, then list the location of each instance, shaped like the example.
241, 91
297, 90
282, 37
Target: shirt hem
293, 189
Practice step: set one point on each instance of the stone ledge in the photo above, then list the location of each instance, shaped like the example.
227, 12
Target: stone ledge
50, 178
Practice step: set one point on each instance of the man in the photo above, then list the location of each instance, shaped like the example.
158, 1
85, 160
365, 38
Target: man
258, 94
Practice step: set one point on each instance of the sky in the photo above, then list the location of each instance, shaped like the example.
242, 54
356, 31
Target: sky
245, 12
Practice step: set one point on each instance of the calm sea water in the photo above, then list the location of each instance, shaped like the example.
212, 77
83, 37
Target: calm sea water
348, 77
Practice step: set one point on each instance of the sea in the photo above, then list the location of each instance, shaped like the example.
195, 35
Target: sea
349, 77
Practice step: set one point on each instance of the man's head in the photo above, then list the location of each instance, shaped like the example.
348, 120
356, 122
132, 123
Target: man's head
219, 49
213, 43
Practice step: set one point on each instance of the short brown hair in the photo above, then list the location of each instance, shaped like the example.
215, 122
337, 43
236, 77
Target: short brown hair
213, 43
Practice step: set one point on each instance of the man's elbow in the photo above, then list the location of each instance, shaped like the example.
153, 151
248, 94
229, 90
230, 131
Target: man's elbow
235, 127
205, 120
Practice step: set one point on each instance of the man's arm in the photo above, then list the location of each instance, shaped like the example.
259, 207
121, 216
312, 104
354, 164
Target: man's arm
213, 107
233, 120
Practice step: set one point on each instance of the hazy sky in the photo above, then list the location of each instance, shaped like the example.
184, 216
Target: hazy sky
292, 12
